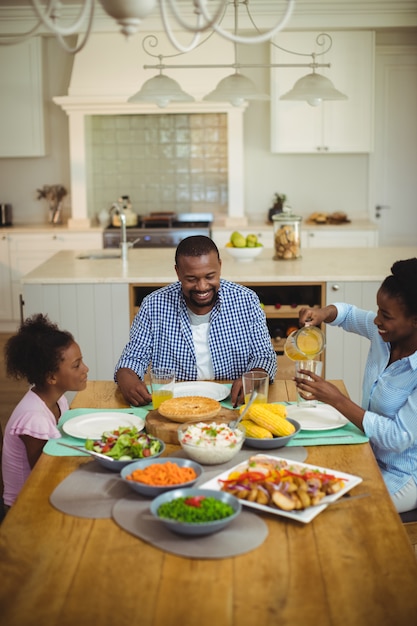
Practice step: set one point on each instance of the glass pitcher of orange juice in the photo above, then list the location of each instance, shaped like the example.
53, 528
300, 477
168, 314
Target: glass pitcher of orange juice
304, 344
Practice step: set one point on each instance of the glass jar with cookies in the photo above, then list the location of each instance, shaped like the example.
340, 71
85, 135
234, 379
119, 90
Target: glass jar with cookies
287, 235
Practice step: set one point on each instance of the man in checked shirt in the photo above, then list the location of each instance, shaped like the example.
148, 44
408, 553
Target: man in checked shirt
202, 326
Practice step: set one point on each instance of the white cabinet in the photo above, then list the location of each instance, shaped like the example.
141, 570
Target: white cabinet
346, 353
342, 126
5, 286
321, 238
96, 314
28, 250
21, 100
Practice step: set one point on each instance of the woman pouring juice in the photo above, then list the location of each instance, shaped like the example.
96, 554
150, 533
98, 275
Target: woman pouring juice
388, 411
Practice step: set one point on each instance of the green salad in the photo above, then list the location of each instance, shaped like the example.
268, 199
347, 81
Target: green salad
125, 443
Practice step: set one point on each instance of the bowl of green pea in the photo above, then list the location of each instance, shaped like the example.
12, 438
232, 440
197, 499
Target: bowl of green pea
193, 511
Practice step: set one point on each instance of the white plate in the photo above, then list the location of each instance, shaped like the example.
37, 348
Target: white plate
216, 391
93, 425
305, 516
320, 417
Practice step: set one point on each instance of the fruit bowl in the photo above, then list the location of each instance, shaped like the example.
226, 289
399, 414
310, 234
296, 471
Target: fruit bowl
244, 254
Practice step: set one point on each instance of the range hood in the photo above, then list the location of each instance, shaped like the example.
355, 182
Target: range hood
109, 70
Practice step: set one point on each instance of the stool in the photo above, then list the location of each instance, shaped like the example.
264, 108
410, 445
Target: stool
409, 519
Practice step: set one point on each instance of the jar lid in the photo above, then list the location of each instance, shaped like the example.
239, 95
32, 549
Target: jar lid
286, 216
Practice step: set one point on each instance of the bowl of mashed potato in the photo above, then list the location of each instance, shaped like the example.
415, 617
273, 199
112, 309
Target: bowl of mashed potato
210, 443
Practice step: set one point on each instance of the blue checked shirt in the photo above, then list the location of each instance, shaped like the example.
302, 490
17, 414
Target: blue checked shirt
238, 338
389, 397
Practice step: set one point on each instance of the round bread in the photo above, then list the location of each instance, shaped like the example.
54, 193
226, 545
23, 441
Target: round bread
189, 408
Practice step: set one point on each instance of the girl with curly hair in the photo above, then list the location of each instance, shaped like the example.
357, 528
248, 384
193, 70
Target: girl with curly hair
51, 361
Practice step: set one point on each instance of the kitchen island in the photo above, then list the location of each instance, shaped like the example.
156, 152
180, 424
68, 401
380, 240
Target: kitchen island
94, 295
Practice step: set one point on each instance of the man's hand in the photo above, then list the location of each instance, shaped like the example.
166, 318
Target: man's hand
132, 387
237, 392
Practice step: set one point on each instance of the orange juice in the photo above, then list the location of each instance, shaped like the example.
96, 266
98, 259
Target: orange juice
304, 344
309, 344
159, 396
259, 398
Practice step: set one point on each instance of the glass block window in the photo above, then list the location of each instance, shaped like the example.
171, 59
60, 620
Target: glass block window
170, 162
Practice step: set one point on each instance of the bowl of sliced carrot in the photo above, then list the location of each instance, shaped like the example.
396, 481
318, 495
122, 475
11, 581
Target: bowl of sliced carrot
151, 477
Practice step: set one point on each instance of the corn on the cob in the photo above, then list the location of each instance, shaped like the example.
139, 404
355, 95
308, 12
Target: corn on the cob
255, 431
267, 419
277, 409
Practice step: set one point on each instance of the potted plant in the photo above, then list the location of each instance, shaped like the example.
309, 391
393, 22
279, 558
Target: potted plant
279, 200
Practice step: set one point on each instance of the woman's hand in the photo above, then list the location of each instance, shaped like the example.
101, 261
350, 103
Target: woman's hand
134, 390
315, 317
316, 388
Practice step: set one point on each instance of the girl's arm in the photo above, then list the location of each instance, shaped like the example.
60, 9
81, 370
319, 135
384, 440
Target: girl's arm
33, 447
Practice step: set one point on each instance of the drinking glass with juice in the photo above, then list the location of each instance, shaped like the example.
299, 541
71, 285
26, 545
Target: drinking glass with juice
258, 381
162, 384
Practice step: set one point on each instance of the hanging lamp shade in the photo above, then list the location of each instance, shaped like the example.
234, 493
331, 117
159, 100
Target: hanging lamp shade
235, 89
314, 88
161, 90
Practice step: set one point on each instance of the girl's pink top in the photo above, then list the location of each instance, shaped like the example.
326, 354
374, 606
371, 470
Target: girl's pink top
30, 417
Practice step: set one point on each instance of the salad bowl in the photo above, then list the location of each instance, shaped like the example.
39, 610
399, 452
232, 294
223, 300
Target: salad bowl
124, 446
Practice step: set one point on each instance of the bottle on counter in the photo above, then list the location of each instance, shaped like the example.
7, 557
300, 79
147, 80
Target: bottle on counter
287, 235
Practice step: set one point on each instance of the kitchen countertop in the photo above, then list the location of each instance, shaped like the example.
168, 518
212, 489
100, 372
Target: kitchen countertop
152, 266
54, 229
354, 224
256, 225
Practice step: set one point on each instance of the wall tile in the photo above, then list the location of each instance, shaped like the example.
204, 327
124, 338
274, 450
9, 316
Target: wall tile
168, 162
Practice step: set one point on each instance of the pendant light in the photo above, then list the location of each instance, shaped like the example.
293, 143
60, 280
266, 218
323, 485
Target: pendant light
161, 90
314, 88
235, 89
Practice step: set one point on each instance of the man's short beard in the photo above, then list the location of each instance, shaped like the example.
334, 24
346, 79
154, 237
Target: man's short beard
203, 305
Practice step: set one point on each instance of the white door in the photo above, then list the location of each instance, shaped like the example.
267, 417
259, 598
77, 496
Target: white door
394, 162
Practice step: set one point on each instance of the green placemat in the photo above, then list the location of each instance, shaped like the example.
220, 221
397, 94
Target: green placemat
52, 446
345, 435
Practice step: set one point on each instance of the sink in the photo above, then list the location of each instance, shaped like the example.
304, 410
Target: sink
98, 256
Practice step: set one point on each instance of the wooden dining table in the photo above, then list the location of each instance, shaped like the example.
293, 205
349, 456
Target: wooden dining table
352, 565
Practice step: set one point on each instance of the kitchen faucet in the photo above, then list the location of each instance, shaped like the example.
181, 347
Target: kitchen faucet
124, 245
123, 240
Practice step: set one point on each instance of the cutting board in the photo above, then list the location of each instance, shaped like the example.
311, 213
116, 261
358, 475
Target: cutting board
164, 429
